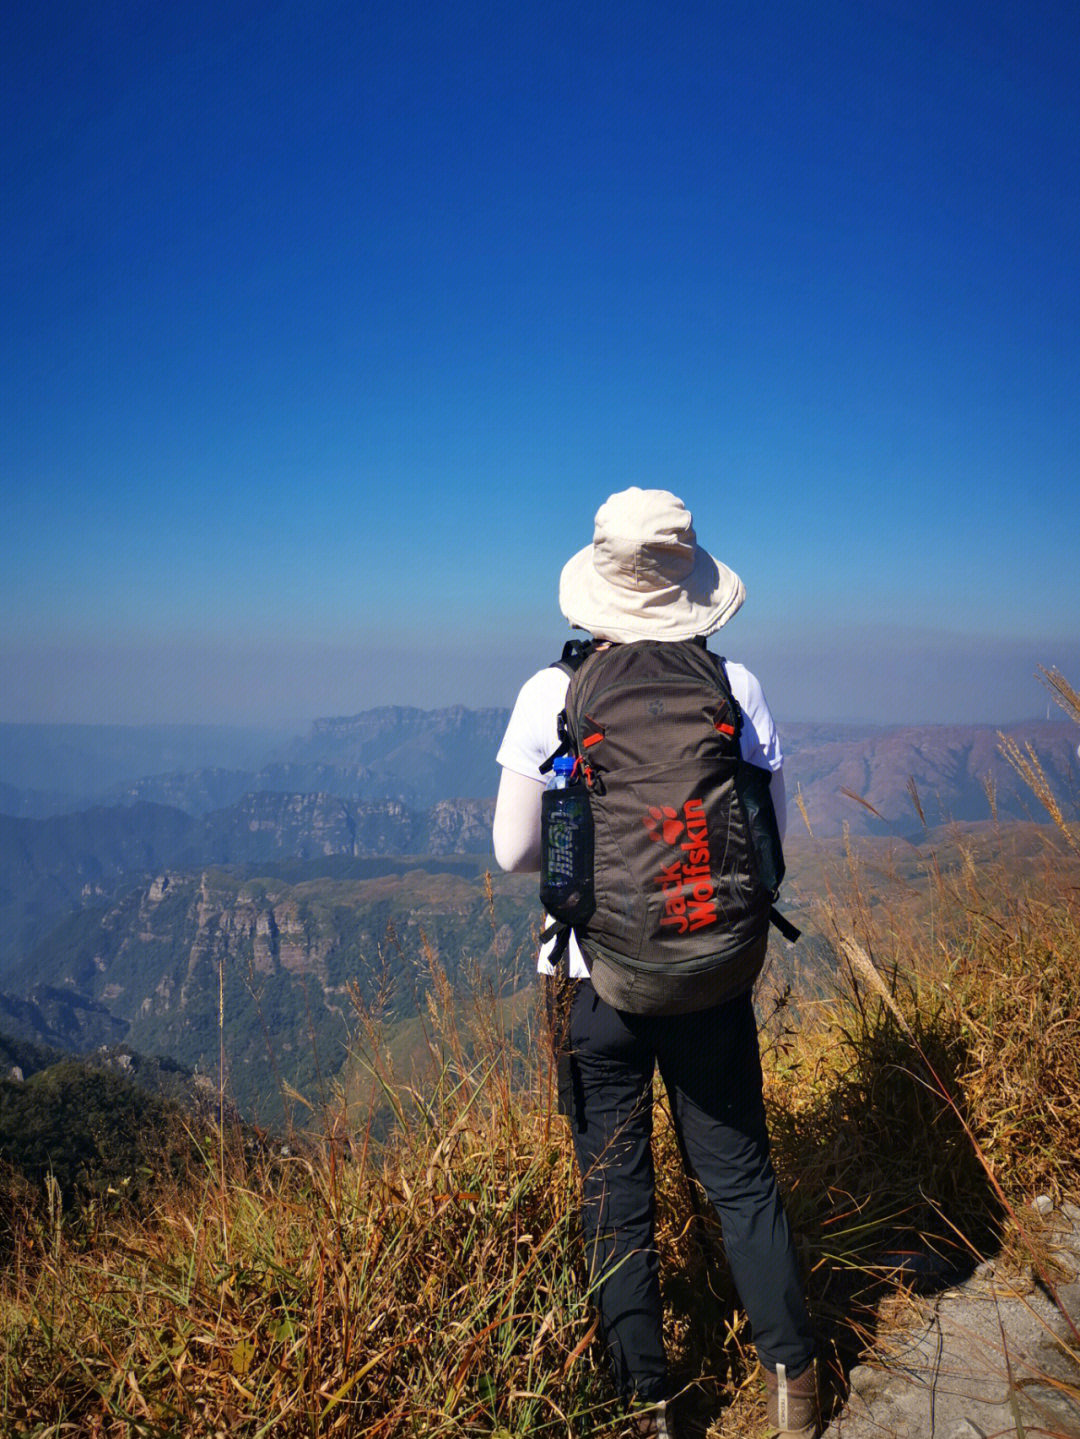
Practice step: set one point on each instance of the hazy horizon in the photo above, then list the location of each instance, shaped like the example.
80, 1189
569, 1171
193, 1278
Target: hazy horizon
911, 679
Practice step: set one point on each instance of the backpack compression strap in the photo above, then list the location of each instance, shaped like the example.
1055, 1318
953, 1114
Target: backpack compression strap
561, 933
784, 925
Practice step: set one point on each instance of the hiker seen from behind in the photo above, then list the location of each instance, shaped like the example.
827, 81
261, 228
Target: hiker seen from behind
643, 776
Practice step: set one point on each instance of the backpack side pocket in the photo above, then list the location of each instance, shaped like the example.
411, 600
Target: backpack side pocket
752, 786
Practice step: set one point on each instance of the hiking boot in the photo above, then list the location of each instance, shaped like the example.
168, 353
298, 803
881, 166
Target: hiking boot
655, 1422
793, 1403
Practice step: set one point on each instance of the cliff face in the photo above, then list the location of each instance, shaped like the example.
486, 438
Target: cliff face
419, 756
458, 827
266, 826
391, 726
198, 926
289, 960
54, 866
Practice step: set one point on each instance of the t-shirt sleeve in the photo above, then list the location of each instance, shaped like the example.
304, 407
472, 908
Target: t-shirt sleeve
759, 742
533, 732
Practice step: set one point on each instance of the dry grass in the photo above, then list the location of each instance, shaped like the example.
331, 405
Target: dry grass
428, 1285
419, 1288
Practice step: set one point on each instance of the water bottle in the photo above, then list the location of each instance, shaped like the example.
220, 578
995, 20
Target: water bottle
562, 768
566, 846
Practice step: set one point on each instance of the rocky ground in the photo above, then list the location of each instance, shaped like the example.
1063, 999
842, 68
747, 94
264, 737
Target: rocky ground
992, 1357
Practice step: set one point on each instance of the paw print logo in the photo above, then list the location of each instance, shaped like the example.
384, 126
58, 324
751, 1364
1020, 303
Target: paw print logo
663, 824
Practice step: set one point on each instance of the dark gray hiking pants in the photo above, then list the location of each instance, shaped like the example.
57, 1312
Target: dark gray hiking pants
710, 1064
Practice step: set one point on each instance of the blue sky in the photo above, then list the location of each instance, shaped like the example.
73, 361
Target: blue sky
326, 329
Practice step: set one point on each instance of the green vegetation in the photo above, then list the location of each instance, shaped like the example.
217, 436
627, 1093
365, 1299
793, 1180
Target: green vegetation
94, 1132
426, 1283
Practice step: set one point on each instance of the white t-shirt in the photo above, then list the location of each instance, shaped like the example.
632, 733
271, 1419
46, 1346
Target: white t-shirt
532, 735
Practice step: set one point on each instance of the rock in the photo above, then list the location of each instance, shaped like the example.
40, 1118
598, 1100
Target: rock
967, 1430
867, 1381
985, 1271
1044, 1205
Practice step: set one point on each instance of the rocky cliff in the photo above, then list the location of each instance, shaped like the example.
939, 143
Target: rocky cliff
54, 866
289, 961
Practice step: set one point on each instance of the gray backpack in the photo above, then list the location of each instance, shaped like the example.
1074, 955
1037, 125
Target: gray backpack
687, 861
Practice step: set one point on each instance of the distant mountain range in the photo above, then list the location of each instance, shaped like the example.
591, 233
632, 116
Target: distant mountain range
415, 756
51, 867
951, 772
398, 781
420, 758
330, 872
53, 769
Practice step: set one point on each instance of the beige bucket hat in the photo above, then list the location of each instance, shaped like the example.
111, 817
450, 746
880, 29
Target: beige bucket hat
645, 577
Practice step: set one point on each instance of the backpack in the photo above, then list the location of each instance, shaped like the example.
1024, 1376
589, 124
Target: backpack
687, 860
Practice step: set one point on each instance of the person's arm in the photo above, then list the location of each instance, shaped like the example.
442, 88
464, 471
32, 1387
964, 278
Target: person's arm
516, 828
531, 735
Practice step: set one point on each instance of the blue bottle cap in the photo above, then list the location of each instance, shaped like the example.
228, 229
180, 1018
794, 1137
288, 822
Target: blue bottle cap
563, 764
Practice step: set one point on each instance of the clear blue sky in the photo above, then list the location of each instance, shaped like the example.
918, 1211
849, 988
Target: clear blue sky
326, 328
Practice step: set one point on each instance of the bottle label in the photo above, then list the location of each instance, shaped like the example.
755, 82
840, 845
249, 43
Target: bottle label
566, 855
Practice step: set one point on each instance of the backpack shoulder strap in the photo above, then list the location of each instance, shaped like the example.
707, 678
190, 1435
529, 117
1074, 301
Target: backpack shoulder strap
735, 708
574, 654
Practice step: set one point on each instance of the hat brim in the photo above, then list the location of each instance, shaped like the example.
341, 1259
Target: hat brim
699, 605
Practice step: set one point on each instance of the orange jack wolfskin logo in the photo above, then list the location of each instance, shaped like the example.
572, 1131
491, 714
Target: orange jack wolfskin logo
687, 883
663, 824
